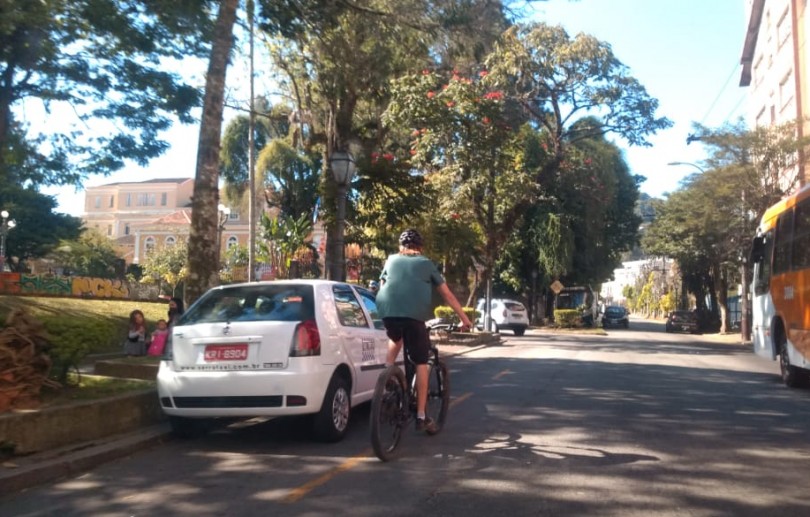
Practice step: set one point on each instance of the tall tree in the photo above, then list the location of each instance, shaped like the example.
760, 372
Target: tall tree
102, 62
92, 254
204, 243
558, 80
38, 229
708, 224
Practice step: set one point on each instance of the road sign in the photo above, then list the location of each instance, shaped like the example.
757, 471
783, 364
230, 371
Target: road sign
557, 286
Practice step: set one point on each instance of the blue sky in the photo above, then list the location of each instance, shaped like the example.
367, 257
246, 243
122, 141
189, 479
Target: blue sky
685, 52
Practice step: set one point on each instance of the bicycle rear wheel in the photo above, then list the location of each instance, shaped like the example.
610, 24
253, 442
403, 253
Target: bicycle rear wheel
438, 400
389, 413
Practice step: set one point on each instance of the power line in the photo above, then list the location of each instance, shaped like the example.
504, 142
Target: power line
719, 94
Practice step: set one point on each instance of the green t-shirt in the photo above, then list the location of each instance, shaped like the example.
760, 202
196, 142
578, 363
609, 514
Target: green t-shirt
407, 287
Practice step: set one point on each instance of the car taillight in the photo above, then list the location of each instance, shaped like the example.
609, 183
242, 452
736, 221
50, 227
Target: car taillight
307, 340
504, 313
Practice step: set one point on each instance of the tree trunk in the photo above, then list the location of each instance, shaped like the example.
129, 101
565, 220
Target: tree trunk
722, 300
203, 245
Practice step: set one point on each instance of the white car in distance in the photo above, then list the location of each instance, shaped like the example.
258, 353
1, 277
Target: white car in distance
291, 347
506, 314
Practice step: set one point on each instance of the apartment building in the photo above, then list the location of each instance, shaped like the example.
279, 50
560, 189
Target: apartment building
774, 65
116, 209
146, 215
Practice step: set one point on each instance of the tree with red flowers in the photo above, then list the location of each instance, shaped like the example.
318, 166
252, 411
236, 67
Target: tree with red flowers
466, 138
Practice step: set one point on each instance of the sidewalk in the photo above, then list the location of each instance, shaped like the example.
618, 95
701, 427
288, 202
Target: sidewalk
22, 472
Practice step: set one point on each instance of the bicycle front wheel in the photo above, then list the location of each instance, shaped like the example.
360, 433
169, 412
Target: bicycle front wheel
438, 400
389, 413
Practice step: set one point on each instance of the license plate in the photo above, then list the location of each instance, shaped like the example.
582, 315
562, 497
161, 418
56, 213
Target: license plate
517, 315
226, 352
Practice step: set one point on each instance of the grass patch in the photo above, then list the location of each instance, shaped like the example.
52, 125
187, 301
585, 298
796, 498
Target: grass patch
114, 313
91, 387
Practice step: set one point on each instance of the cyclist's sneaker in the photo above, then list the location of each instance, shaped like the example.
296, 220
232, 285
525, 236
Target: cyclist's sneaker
427, 425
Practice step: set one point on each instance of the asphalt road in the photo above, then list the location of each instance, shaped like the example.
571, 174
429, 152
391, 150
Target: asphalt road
636, 423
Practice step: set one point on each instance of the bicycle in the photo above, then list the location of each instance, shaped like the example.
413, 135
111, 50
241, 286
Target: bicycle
393, 406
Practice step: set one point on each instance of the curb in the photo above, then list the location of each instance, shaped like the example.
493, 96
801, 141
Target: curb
54, 465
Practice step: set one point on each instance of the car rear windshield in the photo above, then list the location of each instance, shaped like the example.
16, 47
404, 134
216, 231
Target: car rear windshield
684, 316
514, 306
279, 302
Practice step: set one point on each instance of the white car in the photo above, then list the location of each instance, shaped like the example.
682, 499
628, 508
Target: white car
291, 347
506, 314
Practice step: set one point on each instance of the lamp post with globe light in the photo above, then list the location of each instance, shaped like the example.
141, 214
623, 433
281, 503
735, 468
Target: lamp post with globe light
343, 167
6, 226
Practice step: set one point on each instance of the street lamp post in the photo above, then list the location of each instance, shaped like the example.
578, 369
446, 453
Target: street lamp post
5, 227
343, 166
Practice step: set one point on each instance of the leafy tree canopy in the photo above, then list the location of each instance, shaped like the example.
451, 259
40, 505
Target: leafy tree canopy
99, 60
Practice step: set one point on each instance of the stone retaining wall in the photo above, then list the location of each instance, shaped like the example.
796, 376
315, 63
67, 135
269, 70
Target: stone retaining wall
37, 430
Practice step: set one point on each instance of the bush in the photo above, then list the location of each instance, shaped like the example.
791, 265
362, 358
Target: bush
72, 339
567, 318
446, 312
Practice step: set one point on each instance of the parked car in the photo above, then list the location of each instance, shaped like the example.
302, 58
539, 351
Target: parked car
682, 321
292, 347
506, 314
615, 316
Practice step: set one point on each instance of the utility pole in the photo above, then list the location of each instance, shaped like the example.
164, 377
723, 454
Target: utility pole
251, 158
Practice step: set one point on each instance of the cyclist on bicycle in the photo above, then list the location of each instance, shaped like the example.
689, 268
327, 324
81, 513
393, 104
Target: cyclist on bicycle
404, 303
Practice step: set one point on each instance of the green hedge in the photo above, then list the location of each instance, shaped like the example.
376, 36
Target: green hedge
447, 312
72, 339
567, 318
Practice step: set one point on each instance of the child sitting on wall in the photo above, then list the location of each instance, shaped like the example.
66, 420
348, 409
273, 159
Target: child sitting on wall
158, 339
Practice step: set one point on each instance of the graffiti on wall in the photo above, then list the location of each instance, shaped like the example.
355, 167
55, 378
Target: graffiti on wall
79, 287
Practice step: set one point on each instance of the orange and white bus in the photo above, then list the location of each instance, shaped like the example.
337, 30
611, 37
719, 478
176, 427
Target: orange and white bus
781, 288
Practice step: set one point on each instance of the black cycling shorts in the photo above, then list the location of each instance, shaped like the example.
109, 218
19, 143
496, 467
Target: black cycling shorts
415, 336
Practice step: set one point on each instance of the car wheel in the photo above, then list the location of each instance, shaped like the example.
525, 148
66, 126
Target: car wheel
332, 421
188, 428
627, 324
519, 331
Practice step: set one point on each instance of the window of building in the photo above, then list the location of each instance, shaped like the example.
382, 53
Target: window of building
146, 200
164, 198
232, 241
786, 89
98, 202
112, 201
773, 114
233, 216
760, 120
783, 29
109, 230
171, 240
758, 71
126, 229
129, 199
149, 244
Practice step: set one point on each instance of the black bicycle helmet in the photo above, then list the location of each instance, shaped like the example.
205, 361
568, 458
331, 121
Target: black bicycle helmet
410, 238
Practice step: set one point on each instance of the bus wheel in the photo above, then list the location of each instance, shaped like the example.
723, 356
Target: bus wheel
792, 376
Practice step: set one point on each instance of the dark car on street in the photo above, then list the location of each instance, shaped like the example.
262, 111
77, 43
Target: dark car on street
682, 321
615, 316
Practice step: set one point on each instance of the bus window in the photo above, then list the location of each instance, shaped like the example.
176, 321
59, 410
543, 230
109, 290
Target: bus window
762, 268
801, 239
784, 238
